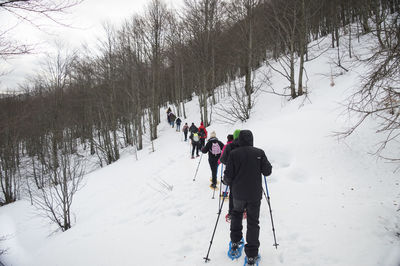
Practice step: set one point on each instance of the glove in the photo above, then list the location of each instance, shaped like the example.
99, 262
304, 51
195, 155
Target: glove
225, 182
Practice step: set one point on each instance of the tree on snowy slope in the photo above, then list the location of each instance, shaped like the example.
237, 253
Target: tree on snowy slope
61, 181
203, 19
244, 11
156, 20
287, 22
27, 11
379, 96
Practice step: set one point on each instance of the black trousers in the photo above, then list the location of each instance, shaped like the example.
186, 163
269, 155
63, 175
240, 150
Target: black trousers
202, 142
214, 168
253, 228
195, 146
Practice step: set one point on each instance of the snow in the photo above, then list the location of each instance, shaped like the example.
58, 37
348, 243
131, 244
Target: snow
333, 203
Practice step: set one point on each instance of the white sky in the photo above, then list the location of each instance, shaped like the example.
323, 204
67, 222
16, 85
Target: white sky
86, 26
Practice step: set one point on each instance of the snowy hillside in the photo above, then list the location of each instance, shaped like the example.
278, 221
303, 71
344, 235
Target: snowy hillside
333, 203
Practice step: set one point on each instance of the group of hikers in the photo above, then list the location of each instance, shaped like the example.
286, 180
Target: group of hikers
172, 119
244, 166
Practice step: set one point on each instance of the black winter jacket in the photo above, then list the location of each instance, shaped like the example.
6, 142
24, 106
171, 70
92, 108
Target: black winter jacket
245, 166
193, 128
225, 156
208, 146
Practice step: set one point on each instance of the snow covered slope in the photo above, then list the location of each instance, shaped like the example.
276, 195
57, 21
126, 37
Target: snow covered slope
333, 203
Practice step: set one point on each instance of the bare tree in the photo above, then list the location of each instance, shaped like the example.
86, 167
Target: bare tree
244, 12
379, 96
26, 10
156, 19
54, 200
203, 19
238, 108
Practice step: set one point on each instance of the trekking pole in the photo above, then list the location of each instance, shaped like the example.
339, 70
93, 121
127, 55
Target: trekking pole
270, 211
215, 228
194, 178
220, 185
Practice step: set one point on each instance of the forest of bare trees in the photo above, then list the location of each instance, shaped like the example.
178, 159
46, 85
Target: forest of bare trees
83, 103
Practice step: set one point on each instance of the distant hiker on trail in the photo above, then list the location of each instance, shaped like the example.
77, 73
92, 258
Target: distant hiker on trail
214, 148
168, 112
172, 118
243, 173
178, 122
185, 130
203, 134
192, 128
194, 136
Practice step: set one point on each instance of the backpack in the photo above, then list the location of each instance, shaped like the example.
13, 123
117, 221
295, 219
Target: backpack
215, 149
195, 137
202, 133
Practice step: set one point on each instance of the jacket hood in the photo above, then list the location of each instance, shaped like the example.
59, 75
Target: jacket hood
245, 138
201, 124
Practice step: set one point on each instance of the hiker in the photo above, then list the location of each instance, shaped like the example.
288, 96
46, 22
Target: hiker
243, 173
193, 128
228, 148
214, 148
229, 140
185, 130
168, 112
203, 134
194, 136
178, 122
172, 118
224, 159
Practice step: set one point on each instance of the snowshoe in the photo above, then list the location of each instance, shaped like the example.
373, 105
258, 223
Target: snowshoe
211, 181
235, 249
213, 186
252, 261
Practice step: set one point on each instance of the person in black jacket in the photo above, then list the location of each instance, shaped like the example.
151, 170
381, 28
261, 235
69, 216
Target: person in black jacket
230, 147
185, 130
178, 122
214, 148
195, 138
193, 128
243, 173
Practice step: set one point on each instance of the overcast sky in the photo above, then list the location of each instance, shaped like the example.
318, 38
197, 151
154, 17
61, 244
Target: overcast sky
86, 26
